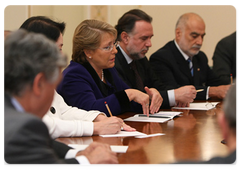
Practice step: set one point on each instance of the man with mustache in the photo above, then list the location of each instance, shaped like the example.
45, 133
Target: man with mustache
180, 62
134, 34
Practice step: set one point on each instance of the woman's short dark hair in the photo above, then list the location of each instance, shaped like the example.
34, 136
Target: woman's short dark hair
44, 25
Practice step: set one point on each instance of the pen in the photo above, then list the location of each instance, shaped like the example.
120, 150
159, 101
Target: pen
109, 111
199, 90
154, 116
231, 78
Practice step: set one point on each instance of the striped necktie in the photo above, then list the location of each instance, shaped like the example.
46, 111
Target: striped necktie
190, 65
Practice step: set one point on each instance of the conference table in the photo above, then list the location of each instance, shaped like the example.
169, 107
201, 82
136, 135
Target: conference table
193, 136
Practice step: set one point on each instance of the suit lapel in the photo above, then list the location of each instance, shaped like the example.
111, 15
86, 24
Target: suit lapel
126, 71
181, 62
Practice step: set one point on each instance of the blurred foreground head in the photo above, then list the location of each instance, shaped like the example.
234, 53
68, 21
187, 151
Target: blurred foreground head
229, 107
25, 56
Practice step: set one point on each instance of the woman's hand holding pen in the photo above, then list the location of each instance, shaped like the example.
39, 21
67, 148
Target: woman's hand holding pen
123, 126
109, 125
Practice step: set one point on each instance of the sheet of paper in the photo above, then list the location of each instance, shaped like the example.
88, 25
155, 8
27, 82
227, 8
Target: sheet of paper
151, 135
159, 117
136, 118
114, 148
199, 106
167, 114
124, 134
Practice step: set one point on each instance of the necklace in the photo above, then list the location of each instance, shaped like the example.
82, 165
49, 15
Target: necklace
102, 76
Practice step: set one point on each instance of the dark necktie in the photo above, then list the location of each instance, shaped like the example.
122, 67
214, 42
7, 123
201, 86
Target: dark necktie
190, 65
138, 79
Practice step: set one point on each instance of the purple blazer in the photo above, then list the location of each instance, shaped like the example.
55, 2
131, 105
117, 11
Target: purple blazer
81, 87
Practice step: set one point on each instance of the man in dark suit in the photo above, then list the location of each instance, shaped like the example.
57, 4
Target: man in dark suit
134, 34
180, 62
32, 70
224, 59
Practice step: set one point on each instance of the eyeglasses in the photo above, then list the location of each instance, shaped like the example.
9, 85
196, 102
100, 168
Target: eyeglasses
110, 47
209, 105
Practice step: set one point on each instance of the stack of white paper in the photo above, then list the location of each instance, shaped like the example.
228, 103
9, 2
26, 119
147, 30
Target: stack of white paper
159, 117
199, 106
151, 135
124, 134
136, 134
114, 148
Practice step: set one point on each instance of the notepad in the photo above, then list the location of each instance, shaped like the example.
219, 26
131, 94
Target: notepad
199, 106
124, 134
159, 117
114, 148
151, 135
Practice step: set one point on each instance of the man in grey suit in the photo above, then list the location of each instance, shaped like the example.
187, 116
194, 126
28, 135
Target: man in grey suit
32, 70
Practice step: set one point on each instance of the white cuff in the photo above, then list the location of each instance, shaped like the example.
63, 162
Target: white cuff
171, 97
87, 128
82, 160
207, 96
72, 153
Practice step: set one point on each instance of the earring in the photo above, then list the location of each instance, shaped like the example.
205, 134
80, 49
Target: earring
89, 57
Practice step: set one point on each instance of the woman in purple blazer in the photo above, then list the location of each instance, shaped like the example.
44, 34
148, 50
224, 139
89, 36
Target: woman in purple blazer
91, 79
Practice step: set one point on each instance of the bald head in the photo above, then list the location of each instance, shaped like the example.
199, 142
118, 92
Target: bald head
189, 33
188, 18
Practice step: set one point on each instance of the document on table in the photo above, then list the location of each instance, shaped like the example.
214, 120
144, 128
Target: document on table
151, 135
124, 134
199, 106
159, 117
114, 148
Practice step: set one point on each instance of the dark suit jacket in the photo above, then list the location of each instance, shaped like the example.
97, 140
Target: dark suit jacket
146, 73
230, 159
224, 58
81, 87
169, 64
27, 140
